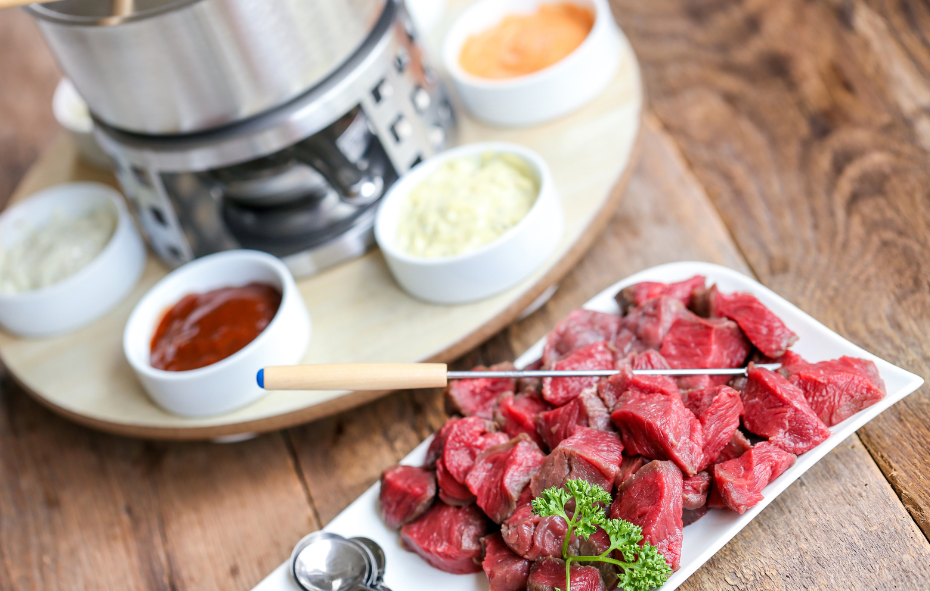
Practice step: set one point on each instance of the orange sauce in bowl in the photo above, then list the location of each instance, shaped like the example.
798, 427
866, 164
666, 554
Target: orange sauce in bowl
526, 43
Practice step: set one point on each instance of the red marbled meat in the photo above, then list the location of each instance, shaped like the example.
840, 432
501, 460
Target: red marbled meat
406, 494
649, 359
465, 440
611, 389
644, 328
835, 389
652, 499
505, 570
587, 410
719, 421
629, 466
776, 409
434, 451
477, 396
694, 491
448, 538
548, 574
659, 426
558, 391
578, 330
694, 342
517, 414
451, 491
532, 536
638, 294
761, 326
589, 455
737, 446
501, 473
740, 481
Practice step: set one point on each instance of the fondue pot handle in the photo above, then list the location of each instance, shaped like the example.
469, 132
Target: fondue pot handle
354, 186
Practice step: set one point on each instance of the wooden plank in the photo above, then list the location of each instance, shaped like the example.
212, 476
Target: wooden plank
807, 123
843, 498
28, 75
84, 510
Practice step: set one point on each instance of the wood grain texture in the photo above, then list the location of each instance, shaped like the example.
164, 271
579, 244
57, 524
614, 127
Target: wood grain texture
807, 123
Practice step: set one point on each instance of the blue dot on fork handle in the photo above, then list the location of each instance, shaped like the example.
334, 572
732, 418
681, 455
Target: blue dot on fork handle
261, 378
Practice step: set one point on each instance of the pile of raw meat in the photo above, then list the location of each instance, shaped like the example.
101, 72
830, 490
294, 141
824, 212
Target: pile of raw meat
667, 449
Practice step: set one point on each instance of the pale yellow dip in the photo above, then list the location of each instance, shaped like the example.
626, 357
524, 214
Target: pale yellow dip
55, 251
466, 203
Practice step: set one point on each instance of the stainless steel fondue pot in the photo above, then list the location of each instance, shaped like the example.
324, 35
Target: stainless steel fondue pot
180, 66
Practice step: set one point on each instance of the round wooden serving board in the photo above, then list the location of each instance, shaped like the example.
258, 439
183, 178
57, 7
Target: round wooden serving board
359, 313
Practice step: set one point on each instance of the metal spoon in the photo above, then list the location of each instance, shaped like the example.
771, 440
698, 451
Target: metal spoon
378, 553
323, 561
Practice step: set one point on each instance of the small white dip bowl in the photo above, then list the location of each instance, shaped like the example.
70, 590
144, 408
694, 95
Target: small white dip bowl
489, 269
541, 96
93, 290
229, 383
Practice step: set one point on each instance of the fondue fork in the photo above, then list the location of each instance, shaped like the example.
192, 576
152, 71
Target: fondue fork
401, 376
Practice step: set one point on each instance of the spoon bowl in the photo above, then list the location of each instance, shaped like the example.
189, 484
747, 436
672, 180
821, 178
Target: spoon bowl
324, 561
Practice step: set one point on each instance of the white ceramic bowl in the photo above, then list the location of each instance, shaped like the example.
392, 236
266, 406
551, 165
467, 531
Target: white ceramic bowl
489, 269
93, 290
229, 383
71, 112
544, 95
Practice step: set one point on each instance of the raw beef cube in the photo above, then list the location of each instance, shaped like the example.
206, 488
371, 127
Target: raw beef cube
548, 574
836, 389
448, 538
740, 481
586, 411
629, 466
466, 439
501, 473
761, 326
737, 446
652, 500
505, 570
659, 426
531, 385
697, 343
532, 536
637, 295
611, 389
650, 359
517, 414
434, 452
578, 330
645, 327
776, 409
558, 391
694, 491
589, 454
714, 500
476, 397
451, 491
719, 421
689, 516
406, 494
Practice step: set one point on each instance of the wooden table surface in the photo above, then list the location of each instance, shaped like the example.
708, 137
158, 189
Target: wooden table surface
787, 139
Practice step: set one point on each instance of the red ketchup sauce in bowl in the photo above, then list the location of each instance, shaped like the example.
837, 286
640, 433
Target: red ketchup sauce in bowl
204, 328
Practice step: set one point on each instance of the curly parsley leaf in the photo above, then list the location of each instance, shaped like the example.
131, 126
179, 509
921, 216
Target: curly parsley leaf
642, 567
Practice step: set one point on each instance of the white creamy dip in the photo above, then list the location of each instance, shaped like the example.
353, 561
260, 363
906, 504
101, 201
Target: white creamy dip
465, 203
56, 250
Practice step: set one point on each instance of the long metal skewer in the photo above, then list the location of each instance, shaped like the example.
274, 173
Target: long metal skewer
592, 373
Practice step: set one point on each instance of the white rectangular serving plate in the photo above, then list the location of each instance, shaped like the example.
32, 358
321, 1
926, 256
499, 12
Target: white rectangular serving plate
408, 572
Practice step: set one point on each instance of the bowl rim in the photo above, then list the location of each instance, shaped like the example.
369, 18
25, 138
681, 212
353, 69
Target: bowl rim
80, 190
453, 42
415, 175
133, 323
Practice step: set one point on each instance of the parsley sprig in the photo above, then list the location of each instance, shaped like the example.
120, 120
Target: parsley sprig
642, 567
